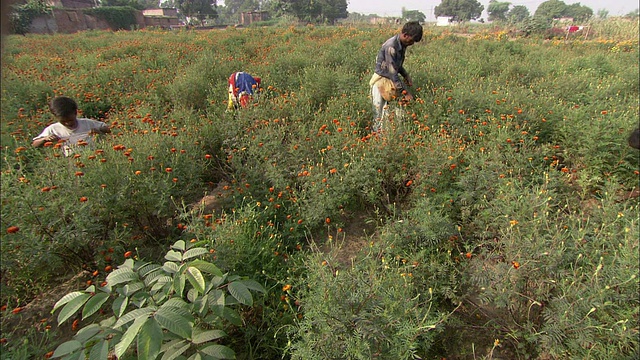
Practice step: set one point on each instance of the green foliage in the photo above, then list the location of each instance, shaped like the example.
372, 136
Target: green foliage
460, 11
498, 10
179, 308
373, 308
324, 11
118, 17
555, 9
518, 14
503, 188
413, 15
22, 15
200, 9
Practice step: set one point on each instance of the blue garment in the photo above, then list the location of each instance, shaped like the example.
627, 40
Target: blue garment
245, 83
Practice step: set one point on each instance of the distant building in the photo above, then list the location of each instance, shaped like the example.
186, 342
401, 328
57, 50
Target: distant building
444, 20
249, 17
163, 17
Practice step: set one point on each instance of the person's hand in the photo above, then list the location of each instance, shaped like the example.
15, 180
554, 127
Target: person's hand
408, 80
51, 138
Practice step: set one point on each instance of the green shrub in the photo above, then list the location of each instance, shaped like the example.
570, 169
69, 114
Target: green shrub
118, 17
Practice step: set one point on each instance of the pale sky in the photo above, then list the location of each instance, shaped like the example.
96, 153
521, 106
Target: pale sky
394, 8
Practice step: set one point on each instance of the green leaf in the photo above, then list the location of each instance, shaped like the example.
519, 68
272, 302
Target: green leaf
195, 356
132, 315
179, 245
170, 267
78, 355
219, 352
200, 336
144, 271
206, 267
175, 302
253, 285
200, 305
130, 289
191, 253
192, 295
120, 305
87, 332
156, 277
121, 275
232, 316
178, 284
173, 256
195, 278
99, 351
129, 336
65, 299
72, 307
172, 320
175, 350
239, 291
94, 304
67, 348
149, 340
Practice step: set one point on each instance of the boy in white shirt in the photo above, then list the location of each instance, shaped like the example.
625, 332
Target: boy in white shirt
70, 128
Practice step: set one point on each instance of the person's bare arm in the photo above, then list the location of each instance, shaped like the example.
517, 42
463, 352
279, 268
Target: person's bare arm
40, 141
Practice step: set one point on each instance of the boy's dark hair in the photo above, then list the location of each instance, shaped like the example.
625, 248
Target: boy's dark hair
413, 29
634, 139
63, 106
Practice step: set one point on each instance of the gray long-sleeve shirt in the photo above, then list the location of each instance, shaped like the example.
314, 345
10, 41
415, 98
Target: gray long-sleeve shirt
389, 61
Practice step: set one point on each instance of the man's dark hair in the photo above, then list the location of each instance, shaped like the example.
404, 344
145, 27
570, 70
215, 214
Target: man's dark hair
413, 29
63, 106
634, 139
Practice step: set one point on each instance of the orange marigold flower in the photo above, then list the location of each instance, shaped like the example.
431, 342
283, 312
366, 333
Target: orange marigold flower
16, 310
168, 169
83, 199
286, 287
79, 173
128, 254
12, 229
48, 355
328, 221
45, 189
74, 326
468, 255
515, 264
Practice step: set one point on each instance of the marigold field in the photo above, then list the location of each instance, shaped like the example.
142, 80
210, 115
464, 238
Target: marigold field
495, 217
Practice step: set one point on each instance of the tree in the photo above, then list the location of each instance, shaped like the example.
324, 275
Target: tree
318, 11
551, 9
498, 10
236, 6
199, 9
603, 14
459, 10
413, 15
518, 14
578, 12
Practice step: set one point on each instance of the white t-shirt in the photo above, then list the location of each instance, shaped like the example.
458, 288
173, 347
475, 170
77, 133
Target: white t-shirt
72, 136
